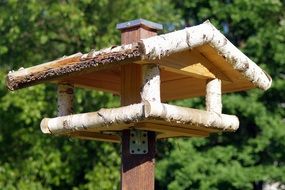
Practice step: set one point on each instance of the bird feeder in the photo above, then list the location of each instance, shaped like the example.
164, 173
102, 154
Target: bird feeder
146, 71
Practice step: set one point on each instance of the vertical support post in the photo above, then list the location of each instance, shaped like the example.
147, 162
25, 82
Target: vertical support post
151, 83
214, 96
65, 93
137, 171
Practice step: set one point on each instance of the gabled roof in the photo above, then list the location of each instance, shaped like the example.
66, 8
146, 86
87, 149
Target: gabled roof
187, 58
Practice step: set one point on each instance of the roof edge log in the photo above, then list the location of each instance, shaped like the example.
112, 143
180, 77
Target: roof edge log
147, 50
73, 65
191, 37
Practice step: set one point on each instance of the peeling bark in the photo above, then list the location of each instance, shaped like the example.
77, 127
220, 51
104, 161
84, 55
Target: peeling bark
73, 64
146, 49
141, 112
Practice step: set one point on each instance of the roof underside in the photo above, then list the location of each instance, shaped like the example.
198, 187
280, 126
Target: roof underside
185, 67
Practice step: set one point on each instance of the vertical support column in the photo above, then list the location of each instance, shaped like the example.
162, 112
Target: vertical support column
151, 83
137, 171
214, 96
65, 93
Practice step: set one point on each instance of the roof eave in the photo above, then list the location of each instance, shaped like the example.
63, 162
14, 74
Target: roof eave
189, 38
147, 49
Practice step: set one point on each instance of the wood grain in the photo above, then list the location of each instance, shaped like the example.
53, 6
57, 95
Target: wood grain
137, 172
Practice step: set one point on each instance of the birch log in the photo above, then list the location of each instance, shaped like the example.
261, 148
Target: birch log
151, 83
214, 96
65, 99
203, 34
147, 49
147, 111
100, 119
189, 116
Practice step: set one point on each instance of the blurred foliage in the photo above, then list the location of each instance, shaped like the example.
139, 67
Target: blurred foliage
33, 32
255, 154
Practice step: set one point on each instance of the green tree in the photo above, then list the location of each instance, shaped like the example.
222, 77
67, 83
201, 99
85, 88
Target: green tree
254, 155
33, 32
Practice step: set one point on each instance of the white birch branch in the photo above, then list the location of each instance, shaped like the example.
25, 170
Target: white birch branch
163, 45
151, 83
150, 48
102, 118
189, 116
214, 96
105, 118
65, 94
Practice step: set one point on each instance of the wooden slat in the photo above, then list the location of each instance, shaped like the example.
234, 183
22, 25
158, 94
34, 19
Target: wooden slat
160, 126
191, 63
219, 62
105, 80
168, 75
95, 136
182, 88
171, 135
171, 131
181, 125
241, 85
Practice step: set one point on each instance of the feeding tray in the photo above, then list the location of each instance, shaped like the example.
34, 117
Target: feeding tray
188, 61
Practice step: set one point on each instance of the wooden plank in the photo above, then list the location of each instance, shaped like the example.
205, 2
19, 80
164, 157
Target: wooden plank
184, 126
131, 80
104, 80
219, 62
171, 135
168, 75
182, 88
95, 136
171, 131
191, 63
137, 169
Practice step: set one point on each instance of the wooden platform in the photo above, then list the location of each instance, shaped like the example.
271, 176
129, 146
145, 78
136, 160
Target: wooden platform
163, 131
164, 119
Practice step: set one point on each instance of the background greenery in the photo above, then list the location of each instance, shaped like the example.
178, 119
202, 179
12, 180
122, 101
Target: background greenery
32, 32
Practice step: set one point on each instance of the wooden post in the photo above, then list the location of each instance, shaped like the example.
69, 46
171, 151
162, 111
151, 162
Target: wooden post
137, 171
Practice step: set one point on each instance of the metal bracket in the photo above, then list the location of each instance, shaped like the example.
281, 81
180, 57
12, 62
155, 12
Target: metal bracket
138, 142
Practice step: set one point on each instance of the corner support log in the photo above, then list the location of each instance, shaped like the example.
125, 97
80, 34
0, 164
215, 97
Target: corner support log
65, 93
148, 111
151, 83
214, 96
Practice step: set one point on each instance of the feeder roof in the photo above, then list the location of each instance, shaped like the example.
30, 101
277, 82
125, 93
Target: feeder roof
187, 58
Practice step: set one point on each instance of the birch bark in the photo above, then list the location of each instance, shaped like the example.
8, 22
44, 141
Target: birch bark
65, 99
147, 111
151, 83
214, 96
203, 34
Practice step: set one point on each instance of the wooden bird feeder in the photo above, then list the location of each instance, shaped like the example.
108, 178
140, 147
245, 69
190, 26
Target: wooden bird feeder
147, 70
